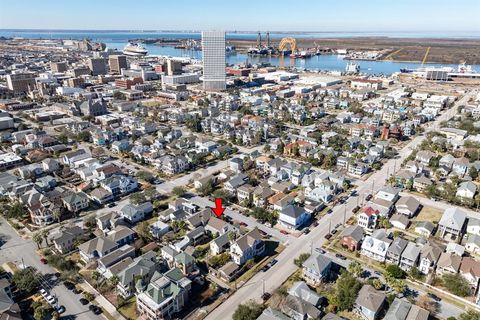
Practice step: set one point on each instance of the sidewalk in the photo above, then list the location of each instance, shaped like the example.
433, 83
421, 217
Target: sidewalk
104, 303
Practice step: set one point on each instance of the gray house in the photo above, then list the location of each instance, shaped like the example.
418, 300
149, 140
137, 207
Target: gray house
410, 256
369, 302
316, 268
395, 250
452, 222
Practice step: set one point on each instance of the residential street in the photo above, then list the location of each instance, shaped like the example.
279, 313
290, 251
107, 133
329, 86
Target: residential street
15, 249
276, 275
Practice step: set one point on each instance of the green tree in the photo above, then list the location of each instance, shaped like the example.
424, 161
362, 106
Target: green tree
144, 175
137, 198
248, 311
114, 280
394, 271
143, 231
83, 136
301, 259
470, 315
355, 268
377, 284
345, 291
26, 279
456, 284
206, 189
41, 312
178, 191
219, 260
38, 238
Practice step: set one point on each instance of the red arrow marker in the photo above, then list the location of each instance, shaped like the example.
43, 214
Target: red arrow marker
218, 210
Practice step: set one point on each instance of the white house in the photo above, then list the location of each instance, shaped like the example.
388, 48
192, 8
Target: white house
293, 216
376, 245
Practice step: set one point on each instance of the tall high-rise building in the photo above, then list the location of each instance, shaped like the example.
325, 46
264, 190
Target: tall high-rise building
117, 63
59, 66
174, 67
21, 82
97, 66
213, 47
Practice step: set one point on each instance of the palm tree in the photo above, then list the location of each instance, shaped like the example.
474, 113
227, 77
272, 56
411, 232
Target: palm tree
96, 277
38, 239
45, 234
57, 213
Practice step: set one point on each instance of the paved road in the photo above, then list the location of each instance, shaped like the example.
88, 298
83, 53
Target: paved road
251, 222
276, 275
15, 249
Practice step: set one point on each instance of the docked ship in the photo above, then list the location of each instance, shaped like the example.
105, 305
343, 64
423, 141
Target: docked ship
134, 49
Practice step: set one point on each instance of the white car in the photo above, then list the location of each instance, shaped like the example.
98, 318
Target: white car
43, 292
51, 299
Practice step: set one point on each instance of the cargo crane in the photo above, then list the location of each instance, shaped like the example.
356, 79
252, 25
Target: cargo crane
260, 48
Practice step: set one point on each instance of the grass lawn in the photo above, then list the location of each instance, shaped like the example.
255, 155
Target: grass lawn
128, 310
429, 214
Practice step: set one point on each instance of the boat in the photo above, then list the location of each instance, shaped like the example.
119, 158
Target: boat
134, 49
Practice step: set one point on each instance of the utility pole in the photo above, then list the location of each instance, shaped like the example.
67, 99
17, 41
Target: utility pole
311, 247
329, 225
344, 213
263, 286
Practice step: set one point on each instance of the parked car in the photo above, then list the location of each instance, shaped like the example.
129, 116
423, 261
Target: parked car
111, 204
368, 197
315, 224
328, 236
272, 263
83, 301
61, 309
43, 260
434, 297
306, 231
243, 224
69, 285
333, 231
265, 268
329, 211
341, 257
283, 232
51, 300
355, 210
77, 291
320, 250
97, 310
266, 296
43, 292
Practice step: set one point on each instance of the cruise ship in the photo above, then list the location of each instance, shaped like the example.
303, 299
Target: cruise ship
134, 49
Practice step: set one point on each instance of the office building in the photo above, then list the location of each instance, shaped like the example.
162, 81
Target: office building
117, 63
75, 82
174, 67
97, 66
21, 82
213, 46
58, 66
81, 71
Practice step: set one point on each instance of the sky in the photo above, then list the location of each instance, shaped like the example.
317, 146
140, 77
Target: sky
243, 15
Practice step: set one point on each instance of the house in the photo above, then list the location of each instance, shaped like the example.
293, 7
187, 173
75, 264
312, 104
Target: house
139, 269
473, 226
425, 228
96, 248
75, 201
368, 218
351, 238
376, 245
298, 308
220, 244
110, 259
387, 193
408, 206
235, 182
109, 221
424, 157
65, 241
293, 216
369, 302
395, 250
429, 256
452, 222
421, 183
410, 256
244, 193
472, 244
448, 263
159, 228
164, 296
404, 310
229, 271
184, 262
236, 164
400, 221
247, 247
135, 213
119, 185
261, 195
317, 268
470, 270
217, 226
101, 196
466, 190
272, 314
